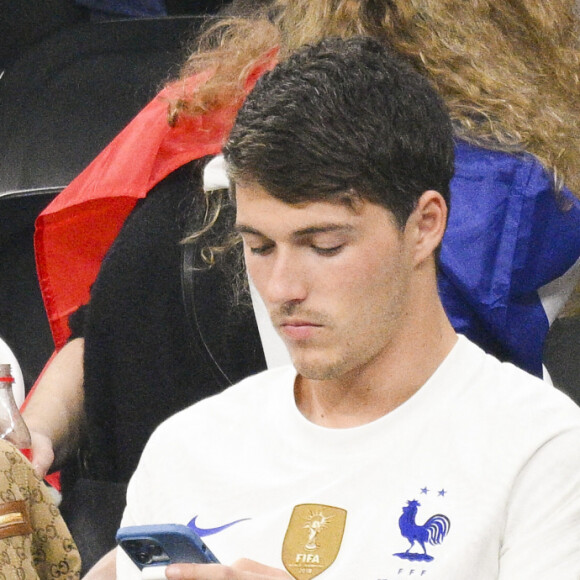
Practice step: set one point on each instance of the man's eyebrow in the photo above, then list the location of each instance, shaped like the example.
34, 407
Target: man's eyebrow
322, 229
243, 229
309, 231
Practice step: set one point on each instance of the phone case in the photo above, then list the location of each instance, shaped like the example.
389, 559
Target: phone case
163, 544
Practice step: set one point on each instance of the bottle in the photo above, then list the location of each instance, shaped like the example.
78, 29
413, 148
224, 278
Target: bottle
12, 425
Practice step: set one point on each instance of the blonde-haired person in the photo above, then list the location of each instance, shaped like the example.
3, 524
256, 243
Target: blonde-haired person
509, 75
35, 543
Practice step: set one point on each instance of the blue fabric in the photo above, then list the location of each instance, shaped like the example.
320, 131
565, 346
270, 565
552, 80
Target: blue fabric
508, 235
127, 8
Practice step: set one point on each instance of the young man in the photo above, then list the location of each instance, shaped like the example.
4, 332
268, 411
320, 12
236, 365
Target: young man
392, 447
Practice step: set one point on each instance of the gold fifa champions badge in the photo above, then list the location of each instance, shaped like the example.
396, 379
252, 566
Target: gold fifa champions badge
312, 539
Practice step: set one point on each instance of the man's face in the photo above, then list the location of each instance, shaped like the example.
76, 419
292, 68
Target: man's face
334, 278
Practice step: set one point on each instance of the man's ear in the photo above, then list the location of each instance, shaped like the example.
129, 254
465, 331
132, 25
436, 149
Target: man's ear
427, 223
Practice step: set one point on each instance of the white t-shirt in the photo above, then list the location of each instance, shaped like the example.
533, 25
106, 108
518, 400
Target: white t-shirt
477, 476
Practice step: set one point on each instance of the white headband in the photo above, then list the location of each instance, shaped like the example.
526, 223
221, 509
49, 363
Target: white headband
215, 175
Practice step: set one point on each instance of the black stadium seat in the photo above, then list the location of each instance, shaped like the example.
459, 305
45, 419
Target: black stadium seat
23, 24
63, 100
562, 355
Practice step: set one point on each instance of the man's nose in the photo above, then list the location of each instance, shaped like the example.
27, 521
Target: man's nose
286, 282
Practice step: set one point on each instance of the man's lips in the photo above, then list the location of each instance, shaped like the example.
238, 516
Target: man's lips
298, 329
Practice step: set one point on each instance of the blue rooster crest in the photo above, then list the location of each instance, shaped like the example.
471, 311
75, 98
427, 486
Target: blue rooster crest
433, 531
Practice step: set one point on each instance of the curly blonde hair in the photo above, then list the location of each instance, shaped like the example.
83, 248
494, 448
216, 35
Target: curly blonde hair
509, 71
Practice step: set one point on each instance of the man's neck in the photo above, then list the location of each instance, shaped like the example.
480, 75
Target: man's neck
370, 392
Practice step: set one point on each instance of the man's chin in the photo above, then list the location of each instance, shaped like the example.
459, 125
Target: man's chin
317, 369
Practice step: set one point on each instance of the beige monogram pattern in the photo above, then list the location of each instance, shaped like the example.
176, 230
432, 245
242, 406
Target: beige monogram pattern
34, 540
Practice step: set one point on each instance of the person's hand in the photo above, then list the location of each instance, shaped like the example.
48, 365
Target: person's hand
105, 568
42, 453
240, 570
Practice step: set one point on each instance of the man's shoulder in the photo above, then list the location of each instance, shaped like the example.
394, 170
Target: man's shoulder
504, 390
240, 402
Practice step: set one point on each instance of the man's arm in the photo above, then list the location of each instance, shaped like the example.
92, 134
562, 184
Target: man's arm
54, 412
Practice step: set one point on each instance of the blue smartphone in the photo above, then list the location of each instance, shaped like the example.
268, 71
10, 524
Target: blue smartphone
163, 544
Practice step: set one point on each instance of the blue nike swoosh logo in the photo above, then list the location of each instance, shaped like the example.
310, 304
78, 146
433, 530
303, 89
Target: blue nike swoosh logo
211, 531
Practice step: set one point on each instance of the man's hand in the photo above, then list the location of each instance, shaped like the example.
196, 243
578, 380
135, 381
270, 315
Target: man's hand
42, 453
240, 570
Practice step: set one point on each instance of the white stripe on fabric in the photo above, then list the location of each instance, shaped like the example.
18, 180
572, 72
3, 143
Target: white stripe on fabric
557, 292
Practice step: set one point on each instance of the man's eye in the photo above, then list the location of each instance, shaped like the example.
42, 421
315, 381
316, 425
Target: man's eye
328, 251
261, 250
